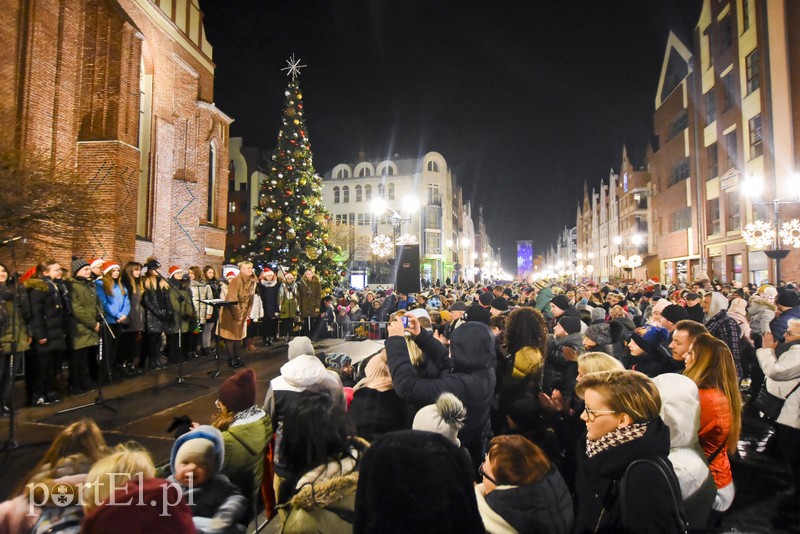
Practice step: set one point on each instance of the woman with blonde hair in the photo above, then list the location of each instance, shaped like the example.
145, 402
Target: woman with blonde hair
376, 409
625, 482
595, 362
68, 460
110, 473
710, 365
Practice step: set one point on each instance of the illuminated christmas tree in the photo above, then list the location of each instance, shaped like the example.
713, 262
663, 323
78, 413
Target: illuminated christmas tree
292, 223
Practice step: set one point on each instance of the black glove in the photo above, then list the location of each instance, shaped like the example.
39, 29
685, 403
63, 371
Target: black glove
180, 425
181, 298
187, 316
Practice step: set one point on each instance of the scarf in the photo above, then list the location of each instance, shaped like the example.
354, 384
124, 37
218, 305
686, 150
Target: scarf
614, 438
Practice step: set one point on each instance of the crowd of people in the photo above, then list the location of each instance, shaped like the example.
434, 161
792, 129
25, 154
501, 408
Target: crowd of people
544, 407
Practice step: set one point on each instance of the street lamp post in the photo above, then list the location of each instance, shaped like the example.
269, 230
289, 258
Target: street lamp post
763, 234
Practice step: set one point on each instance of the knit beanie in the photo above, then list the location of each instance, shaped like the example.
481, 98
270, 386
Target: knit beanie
560, 301
599, 333
151, 264
661, 305
485, 298
300, 346
446, 417
788, 298
649, 337
598, 314
571, 325
674, 313
78, 264
238, 392
500, 304
203, 444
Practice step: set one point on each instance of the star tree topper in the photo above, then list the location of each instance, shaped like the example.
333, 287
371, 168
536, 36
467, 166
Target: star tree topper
294, 67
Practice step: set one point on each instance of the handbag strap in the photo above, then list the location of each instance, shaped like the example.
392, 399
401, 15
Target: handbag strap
793, 390
715, 453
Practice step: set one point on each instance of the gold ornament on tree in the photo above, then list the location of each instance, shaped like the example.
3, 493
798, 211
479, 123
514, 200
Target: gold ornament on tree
291, 233
312, 253
276, 213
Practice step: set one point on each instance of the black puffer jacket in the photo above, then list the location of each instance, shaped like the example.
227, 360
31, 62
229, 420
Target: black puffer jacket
471, 377
157, 310
50, 309
560, 373
649, 501
544, 507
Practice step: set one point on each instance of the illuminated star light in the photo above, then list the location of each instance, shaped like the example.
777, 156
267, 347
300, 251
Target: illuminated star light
294, 67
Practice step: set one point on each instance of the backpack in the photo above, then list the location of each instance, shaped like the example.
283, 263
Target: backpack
672, 482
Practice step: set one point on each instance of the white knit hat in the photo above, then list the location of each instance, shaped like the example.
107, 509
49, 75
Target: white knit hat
446, 417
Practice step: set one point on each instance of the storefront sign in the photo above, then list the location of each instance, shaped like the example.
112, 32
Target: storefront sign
729, 180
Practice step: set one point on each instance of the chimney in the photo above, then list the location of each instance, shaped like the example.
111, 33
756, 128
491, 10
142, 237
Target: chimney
362, 156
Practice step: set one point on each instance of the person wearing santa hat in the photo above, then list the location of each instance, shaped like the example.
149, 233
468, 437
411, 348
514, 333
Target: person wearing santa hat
96, 265
116, 307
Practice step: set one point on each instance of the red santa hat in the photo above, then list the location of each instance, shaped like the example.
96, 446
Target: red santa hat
108, 266
230, 274
174, 269
96, 263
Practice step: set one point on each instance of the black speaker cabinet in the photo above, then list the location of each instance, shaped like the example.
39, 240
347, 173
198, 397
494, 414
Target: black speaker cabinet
406, 268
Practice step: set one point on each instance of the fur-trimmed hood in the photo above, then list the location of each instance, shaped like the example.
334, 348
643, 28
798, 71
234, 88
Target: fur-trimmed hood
328, 484
35, 284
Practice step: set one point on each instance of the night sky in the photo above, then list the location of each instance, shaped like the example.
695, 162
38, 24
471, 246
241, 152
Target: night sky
525, 99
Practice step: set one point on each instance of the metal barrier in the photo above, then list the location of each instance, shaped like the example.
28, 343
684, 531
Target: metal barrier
352, 331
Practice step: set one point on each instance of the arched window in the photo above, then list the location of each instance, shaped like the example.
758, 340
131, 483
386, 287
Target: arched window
341, 174
367, 192
336, 195
212, 183
358, 193
390, 192
381, 191
433, 166
345, 194
364, 172
389, 170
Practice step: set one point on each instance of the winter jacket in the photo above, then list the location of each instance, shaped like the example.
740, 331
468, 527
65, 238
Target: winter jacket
696, 313
245, 442
780, 323
200, 292
157, 309
310, 295
544, 507
217, 504
116, 305
471, 377
84, 317
269, 298
782, 375
136, 314
233, 319
377, 412
543, 299
760, 313
16, 329
325, 499
559, 373
288, 301
183, 315
50, 308
680, 410
305, 372
727, 330
715, 425
649, 502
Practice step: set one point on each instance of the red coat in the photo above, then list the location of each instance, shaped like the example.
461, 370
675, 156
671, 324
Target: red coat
715, 425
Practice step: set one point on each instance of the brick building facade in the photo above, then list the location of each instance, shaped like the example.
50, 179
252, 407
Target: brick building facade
121, 91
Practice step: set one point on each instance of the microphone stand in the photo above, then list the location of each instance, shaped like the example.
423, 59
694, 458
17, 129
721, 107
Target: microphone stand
181, 380
102, 368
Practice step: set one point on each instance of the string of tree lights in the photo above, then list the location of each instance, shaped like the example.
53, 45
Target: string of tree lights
292, 231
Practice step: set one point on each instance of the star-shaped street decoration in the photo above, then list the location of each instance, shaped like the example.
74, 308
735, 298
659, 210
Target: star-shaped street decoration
294, 67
